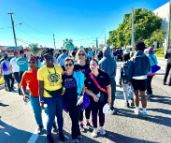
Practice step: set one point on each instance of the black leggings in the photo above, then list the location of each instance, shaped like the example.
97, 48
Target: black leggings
97, 109
87, 113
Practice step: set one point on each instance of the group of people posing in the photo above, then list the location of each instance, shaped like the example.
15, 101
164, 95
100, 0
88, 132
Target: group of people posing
60, 87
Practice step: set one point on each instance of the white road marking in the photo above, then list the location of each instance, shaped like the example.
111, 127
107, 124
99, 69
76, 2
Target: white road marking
35, 135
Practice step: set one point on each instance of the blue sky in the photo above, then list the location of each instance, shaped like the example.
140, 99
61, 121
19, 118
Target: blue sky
80, 20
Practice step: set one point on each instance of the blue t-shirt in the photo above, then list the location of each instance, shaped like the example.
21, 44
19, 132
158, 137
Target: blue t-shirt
23, 64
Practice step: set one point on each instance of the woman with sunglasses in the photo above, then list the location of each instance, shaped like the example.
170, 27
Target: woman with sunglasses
29, 79
73, 82
97, 85
83, 66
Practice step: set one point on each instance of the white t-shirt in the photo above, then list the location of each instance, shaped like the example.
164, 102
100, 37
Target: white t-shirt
13, 63
5, 67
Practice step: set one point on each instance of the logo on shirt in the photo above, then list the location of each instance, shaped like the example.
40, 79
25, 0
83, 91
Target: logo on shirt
53, 77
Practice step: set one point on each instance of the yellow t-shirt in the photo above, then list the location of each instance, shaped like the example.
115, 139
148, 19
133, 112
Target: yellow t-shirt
52, 78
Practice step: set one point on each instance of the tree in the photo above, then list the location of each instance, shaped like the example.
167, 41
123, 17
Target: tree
156, 37
145, 23
68, 44
34, 48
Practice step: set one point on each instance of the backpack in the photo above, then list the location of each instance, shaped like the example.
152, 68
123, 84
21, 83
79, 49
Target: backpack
4, 67
124, 73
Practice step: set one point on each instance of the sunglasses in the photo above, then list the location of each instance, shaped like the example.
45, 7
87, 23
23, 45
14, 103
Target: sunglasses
31, 62
69, 65
81, 55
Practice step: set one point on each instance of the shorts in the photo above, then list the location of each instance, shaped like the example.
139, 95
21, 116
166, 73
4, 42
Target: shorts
17, 77
139, 84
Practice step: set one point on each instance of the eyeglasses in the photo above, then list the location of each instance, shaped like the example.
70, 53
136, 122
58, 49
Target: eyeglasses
69, 65
81, 54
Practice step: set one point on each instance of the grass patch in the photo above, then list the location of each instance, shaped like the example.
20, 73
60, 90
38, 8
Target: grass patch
159, 52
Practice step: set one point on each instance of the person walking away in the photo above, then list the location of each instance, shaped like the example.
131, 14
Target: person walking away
73, 83
15, 69
29, 79
98, 86
139, 67
168, 68
6, 72
61, 58
123, 80
108, 65
153, 61
50, 91
22, 62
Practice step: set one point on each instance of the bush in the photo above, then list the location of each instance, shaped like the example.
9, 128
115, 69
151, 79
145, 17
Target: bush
159, 52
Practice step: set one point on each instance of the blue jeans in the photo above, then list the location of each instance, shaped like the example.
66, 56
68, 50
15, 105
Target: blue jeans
54, 108
36, 110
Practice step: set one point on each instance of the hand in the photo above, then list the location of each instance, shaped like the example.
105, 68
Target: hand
95, 98
26, 98
42, 105
13, 75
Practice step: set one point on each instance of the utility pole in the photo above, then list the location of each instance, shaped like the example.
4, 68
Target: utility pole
13, 28
132, 33
54, 41
97, 43
168, 34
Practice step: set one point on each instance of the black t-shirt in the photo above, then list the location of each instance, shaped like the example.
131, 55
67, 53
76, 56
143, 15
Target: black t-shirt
85, 69
70, 95
102, 79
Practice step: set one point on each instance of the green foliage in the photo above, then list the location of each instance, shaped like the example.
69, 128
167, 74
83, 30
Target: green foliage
159, 52
68, 44
145, 24
34, 48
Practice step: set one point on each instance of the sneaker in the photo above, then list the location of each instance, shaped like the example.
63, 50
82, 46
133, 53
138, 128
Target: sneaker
55, 129
127, 104
88, 126
144, 113
113, 112
61, 137
102, 131
75, 140
136, 111
40, 129
94, 133
50, 138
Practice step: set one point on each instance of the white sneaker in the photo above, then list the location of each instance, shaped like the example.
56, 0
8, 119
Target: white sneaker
102, 131
136, 111
144, 113
94, 133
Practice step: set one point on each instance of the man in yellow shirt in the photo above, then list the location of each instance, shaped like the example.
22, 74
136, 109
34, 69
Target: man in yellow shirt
50, 91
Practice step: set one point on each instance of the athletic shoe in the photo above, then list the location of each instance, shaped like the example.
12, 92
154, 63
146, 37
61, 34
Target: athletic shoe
136, 111
102, 131
113, 112
40, 129
88, 126
94, 133
144, 113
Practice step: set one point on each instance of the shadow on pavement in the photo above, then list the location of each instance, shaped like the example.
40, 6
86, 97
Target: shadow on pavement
118, 138
164, 111
3, 105
161, 99
166, 121
10, 134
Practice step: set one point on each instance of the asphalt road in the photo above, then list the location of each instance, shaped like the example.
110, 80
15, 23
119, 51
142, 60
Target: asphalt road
18, 126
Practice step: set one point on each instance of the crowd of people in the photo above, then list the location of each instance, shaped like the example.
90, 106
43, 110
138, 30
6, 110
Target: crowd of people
81, 84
